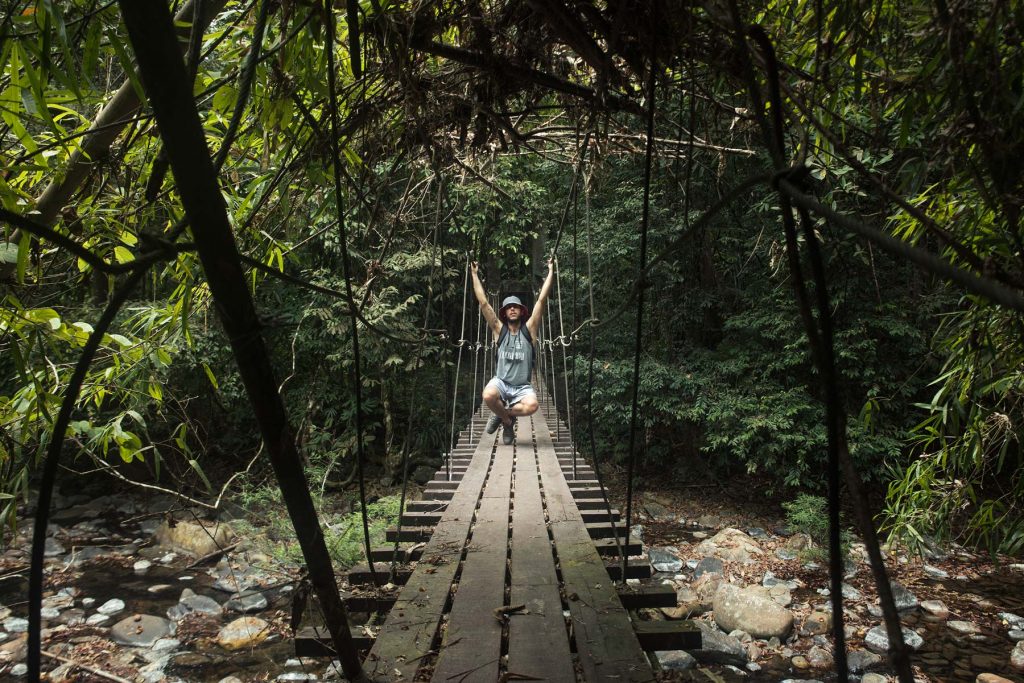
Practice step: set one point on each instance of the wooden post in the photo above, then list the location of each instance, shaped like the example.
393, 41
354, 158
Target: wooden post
170, 94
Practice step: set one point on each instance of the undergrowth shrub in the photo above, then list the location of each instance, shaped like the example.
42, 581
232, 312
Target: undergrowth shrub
808, 514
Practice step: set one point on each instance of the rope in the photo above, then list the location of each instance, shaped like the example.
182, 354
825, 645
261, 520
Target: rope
347, 271
644, 222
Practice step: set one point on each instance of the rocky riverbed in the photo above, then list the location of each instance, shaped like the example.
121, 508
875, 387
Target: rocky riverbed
136, 592
765, 611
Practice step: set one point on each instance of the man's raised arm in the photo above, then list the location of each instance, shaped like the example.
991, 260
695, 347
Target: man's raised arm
485, 307
538, 308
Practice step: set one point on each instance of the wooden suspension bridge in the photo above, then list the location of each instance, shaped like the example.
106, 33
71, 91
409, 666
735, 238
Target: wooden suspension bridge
509, 572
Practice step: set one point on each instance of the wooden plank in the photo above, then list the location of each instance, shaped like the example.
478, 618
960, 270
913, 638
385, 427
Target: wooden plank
414, 534
360, 574
605, 530
421, 518
440, 494
607, 646
606, 546
668, 635
601, 515
471, 650
538, 640
368, 602
406, 553
641, 596
639, 569
426, 505
440, 486
443, 476
314, 641
590, 503
409, 632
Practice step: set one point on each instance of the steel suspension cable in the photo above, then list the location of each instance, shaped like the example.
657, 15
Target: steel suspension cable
347, 272
575, 282
458, 362
551, 368
565, 362
590, 393
822, 352
644, 221
476, 359
412, 392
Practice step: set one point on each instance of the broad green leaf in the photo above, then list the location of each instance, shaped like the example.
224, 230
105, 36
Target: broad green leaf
123, 254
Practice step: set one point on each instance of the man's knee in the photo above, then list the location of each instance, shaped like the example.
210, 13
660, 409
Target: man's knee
490, 394
529, 405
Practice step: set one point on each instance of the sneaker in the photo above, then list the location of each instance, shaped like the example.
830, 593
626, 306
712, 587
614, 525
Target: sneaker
508, 433
492, 424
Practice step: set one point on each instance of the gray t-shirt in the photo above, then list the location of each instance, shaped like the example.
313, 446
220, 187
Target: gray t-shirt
515, 359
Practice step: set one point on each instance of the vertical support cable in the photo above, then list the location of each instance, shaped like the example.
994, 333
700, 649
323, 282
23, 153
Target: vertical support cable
346, 267
476, 394
158, 54
572, 342
645, 219
551, 365
565, 360
458, 363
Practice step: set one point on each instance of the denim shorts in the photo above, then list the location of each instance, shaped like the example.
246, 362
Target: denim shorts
511, 394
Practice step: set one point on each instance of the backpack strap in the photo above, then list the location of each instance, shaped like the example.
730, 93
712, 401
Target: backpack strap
525, 331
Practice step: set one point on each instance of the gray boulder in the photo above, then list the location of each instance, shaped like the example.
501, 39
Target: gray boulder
903, 598
751, 611
709, 565
140, 630
732, 545
718, 648
858, 661
877, 640
665, 559
675, 660
191, 602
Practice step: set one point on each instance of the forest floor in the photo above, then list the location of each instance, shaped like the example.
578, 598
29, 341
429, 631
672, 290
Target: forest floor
125, 600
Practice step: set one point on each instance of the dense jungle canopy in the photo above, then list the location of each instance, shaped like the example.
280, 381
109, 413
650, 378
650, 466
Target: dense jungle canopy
366, 150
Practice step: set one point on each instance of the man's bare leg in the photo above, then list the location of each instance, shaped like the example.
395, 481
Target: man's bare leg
493, 401
525, 407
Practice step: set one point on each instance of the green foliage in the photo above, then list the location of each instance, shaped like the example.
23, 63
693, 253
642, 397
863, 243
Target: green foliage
895, 110
808, 514
966, 482
343, 531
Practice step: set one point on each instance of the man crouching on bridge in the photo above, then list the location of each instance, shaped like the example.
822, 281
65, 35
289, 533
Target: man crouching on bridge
509, 394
